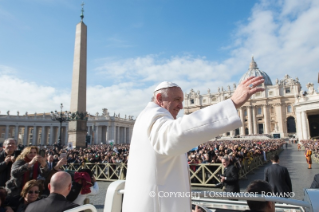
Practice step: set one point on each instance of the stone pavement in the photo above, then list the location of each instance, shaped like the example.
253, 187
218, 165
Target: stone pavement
291, 158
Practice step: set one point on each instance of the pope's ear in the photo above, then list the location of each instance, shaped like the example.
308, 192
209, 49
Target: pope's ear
158, 97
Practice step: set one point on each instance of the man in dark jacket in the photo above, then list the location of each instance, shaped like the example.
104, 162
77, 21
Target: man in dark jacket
230, 177
315, 182
60, 186
6, 160
278, 177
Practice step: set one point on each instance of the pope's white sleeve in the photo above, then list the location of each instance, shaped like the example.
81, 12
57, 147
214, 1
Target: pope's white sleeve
175, 137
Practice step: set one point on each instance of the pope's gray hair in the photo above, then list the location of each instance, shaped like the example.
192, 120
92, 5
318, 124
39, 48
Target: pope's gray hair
163, 91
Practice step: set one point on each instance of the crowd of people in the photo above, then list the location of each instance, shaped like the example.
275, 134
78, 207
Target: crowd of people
26, 172
31, 179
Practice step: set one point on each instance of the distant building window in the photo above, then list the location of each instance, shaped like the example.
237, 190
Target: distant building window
289, 110
259, 111
204, 101
287, 90
31, 130
192, 101
245, 113
2, 135
214, 99
258, 94
271, 93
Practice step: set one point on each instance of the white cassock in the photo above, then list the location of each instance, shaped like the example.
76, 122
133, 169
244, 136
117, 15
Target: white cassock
158, 177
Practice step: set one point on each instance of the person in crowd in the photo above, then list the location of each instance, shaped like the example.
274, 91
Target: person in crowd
308, 154
164, 139
30, 193
27, 166
84, 193
278, 177
260, 187
230, 178
51, 162
60, 186
2, 200
315, 182
6, 160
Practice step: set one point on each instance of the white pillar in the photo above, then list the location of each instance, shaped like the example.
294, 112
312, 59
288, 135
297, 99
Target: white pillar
43, 135
114, 133
16, 133
107, 133
305, 129
7, 132
90, 133
241, 114
250, 126
51, 135
254, 121
34, 135
279, 118
124, 135
266, 119
25, 135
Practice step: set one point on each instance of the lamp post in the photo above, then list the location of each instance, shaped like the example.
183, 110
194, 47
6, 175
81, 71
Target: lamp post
60, 117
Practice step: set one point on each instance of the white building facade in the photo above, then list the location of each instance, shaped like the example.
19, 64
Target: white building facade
39, 129
282, 110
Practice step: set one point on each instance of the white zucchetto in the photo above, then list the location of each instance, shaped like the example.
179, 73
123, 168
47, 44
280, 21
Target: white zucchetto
165, 84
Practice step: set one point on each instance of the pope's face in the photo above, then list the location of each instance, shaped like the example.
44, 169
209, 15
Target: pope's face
174, 101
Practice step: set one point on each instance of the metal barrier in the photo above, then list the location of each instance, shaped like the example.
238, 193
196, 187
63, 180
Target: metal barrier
200, 174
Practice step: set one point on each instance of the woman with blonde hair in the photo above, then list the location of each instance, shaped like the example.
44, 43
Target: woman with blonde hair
27, 166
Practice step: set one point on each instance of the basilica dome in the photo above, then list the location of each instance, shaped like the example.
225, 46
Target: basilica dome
254, 71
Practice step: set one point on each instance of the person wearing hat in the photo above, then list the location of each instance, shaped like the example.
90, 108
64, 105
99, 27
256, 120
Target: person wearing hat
163, 184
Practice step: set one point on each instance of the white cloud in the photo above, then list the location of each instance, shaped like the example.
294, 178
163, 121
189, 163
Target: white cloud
22, 96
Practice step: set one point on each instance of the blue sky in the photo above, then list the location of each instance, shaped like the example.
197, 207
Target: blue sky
135, 44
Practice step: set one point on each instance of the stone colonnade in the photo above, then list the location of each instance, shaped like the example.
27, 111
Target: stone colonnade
40, 134
106, 134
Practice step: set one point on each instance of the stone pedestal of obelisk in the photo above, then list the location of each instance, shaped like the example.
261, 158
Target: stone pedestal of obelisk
77, 126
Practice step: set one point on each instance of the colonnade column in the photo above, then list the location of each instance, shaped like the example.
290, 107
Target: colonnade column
118, 135
25, 135
305, 130
241, 114
51, 135
124, 131
46, 135
266, 119
34, 135
16, 133
250, 126
7, 132
114, 134
279, 118
43, 135
96, 135
107, 136
254, 121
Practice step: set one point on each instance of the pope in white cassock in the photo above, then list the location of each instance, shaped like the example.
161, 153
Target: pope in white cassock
158, 177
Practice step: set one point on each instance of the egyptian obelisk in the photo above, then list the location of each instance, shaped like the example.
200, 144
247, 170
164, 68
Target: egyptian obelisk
77, 126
